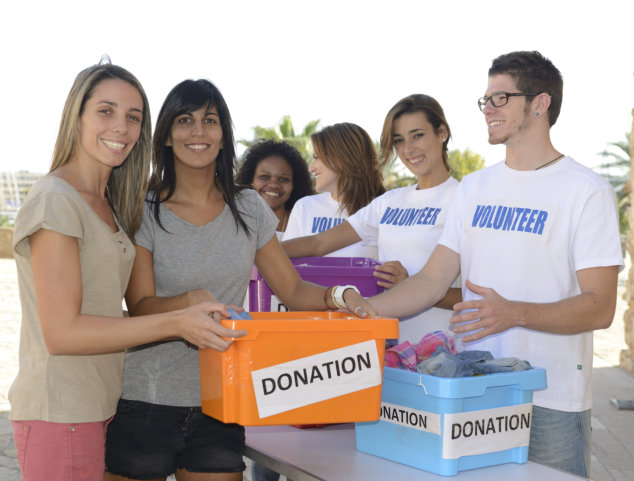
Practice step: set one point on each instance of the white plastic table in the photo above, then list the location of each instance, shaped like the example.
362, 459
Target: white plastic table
330, 454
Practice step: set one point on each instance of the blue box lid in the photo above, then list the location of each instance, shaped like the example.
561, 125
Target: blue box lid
462, 387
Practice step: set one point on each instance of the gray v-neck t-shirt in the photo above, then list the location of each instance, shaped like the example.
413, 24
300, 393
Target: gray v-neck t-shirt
217, 256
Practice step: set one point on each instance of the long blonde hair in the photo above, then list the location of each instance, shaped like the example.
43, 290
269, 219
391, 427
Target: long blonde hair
127, 184
348, 151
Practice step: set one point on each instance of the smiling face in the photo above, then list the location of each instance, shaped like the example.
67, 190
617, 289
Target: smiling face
419, 146
273, 180
196, 138
505, 124
325, 179
110, 123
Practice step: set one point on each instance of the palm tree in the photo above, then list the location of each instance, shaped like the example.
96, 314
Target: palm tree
286, 132
617, 172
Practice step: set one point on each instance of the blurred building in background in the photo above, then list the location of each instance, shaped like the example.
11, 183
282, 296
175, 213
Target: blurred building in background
13, 188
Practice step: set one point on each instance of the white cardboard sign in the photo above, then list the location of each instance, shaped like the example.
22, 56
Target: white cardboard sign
312, 379
486, 431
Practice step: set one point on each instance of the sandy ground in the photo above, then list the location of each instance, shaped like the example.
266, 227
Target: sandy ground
9, 328
608, 343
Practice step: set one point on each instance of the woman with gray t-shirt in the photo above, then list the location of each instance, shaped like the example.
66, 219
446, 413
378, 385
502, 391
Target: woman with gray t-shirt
200, 236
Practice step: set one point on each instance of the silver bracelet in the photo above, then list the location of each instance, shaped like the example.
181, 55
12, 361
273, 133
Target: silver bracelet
337, 295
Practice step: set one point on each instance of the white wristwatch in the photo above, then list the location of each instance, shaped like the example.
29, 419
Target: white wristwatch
337, 295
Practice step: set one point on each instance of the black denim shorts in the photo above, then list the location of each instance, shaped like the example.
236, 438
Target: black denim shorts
146, 441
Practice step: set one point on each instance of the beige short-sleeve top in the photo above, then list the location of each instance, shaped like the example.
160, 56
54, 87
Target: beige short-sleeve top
59, 388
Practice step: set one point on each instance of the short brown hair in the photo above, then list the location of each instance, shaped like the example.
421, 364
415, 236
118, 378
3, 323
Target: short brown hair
532, 73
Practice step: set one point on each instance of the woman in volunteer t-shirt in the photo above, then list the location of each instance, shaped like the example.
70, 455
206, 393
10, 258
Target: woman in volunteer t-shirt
405, 223
348, 176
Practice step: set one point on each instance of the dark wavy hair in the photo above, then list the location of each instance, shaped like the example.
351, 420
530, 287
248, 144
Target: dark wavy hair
533, 73
262, 149
187, 97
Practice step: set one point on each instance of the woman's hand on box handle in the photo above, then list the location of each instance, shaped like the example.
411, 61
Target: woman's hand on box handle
392, 272
200, 327
196, 296
357, 304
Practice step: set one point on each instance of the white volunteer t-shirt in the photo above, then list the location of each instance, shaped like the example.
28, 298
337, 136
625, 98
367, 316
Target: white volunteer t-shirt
407, 223
526, 234
316, 213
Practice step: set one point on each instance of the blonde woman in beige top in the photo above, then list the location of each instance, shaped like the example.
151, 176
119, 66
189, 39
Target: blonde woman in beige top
73, 250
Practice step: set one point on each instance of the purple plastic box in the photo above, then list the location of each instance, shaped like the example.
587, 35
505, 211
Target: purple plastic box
325, 271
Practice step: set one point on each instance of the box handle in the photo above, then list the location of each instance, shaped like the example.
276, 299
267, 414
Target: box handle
420, 383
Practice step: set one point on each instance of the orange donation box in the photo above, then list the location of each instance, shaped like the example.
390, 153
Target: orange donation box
297, 368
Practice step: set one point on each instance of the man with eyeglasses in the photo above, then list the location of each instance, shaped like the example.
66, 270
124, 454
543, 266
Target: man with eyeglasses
537, 244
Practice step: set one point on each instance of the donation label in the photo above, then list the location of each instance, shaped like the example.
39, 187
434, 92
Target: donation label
486, 431
315, 378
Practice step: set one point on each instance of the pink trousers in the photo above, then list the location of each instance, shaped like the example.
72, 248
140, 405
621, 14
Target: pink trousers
59, 451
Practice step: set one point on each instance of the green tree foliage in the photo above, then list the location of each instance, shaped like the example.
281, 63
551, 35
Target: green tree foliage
394, 175
465, 162
461, 163
285, 131
617, 171
397, 176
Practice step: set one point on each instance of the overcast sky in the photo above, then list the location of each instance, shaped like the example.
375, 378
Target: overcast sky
338, 61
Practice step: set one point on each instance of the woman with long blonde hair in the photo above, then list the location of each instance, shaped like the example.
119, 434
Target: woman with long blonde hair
74, 254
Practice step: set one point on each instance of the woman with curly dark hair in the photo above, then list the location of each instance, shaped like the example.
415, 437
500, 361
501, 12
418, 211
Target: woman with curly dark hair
277, 171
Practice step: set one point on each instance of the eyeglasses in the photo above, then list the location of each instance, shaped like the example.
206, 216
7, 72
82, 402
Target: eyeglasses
499, 99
